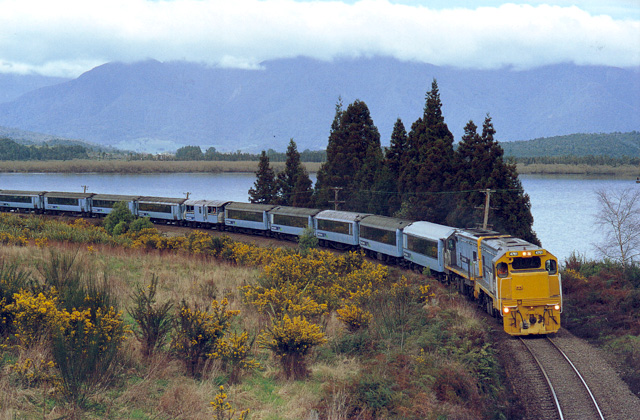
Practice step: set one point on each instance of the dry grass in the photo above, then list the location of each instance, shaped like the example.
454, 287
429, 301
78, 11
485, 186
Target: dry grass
139, 166
626, 171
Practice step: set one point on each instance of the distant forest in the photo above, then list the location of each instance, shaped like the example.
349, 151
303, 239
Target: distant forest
10, 150
591, 149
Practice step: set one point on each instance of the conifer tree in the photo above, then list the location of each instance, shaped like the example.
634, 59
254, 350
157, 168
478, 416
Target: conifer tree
429, 170
354, 156
482, 167
265, 189
294, 182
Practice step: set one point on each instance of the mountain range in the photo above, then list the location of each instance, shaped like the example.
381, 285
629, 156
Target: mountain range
152, 106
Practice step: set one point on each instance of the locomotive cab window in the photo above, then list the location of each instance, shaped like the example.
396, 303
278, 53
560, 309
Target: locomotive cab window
189, 209
525, 263
551, 266
502, 269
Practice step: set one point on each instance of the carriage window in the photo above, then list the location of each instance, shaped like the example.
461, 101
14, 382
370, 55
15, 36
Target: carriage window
525, 263
503, 269
155, 207
335, 226
551, 266
63, 201
422, 246
379, 235
16, 198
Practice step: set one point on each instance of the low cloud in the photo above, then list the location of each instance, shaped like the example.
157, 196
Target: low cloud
67, 37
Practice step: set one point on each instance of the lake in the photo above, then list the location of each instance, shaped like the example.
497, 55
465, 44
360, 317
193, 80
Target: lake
563, 207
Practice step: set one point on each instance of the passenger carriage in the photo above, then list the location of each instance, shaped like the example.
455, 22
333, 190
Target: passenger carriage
161, 209
247, 217
205, 213
338, 229
289, 222
22, 201
102, 204
424, 244
381, 237
67, 202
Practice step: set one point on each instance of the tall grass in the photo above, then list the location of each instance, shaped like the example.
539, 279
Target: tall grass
139, 167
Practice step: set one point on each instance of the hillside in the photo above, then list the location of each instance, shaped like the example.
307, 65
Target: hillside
615, 145
153, 106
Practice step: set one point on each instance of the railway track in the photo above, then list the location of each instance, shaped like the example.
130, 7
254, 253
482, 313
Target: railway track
571, 396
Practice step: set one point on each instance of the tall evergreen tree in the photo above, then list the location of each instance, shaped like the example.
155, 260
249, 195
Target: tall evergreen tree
429, 170
294, 182
265, 189
394, 162
354, 155
482, 167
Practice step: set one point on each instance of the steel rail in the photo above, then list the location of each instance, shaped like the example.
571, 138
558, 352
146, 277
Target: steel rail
593, 399
553, 391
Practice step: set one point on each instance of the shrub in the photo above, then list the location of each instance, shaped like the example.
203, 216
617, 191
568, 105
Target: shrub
198, 333
290, 340
120, 214
154, 321
354, 317
234, 351
222, 410
307, 240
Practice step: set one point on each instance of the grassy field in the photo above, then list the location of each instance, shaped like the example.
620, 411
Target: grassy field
424, 353
138, 166
622, 171
142, 167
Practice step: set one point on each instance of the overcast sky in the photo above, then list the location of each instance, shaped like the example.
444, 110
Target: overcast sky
69, 37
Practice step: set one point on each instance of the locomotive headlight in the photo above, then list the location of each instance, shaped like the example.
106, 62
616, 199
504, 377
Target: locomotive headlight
505, 310
556, 307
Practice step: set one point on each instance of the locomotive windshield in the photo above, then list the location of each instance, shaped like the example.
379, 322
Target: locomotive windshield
525, 263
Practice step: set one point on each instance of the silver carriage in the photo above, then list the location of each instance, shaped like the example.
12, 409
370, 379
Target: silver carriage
161, 209
381, 237
22, 200
424, 244
62, 202
102, 204
205, 213
247, 217
289, 222
338, 229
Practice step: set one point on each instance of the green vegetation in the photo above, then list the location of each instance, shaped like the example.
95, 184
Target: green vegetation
10, 150
252, 320
593, 149
602, 304
195, 153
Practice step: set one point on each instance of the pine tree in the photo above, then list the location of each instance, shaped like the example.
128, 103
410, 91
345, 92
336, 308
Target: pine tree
482, 167
265, 189
354, 155
430, 167
294, 182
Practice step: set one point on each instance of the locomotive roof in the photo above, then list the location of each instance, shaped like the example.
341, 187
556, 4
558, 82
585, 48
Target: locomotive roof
384, 222
214, 203
510, 243
429, 230
148, 199
237, 205
17, 192
294, 211
59, 194
115, 197
341, 215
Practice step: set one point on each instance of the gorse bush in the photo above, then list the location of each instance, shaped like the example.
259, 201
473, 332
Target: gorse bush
199, 332
154, 321
222, 409
290, 340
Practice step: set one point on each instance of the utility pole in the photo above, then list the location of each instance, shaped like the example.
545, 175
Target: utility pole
487, 201
84, 187
187, 194
335, 197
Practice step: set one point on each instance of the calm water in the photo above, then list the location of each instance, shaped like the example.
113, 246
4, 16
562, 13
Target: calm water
563, 207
